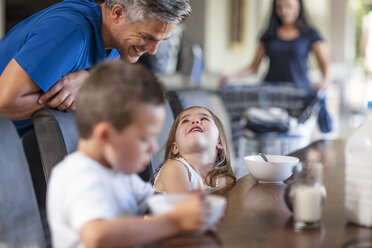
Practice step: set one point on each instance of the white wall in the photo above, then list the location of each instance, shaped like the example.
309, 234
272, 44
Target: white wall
342, 32
319, 16
2, 18
219, 56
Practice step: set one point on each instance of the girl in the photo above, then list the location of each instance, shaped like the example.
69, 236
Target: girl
197, 154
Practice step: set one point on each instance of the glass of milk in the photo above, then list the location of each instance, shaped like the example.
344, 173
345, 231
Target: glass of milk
308, 197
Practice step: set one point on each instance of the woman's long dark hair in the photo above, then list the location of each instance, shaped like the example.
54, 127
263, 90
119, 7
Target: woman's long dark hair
275, 22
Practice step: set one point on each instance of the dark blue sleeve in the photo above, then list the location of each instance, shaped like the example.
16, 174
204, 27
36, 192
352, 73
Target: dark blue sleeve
51, 51
313, 36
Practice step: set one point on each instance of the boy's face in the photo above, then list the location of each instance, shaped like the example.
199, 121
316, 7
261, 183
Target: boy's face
129, 150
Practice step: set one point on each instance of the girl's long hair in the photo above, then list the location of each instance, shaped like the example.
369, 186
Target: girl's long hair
275, 22
222, 167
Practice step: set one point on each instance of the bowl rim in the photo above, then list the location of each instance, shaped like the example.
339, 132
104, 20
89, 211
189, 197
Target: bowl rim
250, 158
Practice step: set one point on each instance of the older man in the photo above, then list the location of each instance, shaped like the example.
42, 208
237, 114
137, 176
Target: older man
44, 59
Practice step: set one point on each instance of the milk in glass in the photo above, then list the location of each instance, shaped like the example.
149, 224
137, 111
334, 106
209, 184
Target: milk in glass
308, 197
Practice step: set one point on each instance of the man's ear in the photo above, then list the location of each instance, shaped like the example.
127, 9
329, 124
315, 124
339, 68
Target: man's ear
174, 148
118, 13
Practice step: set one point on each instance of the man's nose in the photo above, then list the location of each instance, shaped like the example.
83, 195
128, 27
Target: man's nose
152, 47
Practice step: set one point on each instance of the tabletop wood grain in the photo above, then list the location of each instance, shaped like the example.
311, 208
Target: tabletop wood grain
257, 215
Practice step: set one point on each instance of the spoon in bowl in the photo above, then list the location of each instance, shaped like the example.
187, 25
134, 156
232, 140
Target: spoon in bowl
263, 156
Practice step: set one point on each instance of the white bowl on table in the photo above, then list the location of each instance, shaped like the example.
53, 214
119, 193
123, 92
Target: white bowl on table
277, 169
164, 203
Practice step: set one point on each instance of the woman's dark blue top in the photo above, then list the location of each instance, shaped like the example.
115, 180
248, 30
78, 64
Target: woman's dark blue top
289, 58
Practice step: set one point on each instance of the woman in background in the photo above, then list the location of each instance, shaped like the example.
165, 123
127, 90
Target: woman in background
287, 42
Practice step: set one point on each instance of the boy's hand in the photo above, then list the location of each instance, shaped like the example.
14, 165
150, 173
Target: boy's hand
192, 213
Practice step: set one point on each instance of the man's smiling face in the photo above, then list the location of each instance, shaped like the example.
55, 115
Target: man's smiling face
134, 39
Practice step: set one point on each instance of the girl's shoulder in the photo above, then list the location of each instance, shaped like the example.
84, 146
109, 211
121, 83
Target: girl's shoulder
170, 176
174, 166
172, 161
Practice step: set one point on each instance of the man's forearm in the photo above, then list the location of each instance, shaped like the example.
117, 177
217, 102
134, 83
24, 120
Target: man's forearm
18, 93
22, 107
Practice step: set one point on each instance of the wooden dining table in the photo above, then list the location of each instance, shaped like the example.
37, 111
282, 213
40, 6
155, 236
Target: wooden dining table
257, 215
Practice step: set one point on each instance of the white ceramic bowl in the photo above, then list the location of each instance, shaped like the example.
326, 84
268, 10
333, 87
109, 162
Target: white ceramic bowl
278, 169
164, 203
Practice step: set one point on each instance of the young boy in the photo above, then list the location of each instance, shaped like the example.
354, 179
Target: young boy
94, 194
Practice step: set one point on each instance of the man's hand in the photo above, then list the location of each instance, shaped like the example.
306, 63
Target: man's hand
62, 94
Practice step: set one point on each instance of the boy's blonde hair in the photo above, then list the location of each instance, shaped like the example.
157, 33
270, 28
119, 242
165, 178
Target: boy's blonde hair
111, 94
222, 167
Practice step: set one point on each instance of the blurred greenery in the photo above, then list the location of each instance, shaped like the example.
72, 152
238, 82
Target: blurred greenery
360, 9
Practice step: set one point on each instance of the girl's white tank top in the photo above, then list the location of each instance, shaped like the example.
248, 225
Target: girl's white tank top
196, 180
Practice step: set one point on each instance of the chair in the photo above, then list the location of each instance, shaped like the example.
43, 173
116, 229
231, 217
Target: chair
183, 98
32, 153
54, 136
20, 223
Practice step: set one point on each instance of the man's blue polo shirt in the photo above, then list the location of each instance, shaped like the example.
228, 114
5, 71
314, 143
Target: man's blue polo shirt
63, 38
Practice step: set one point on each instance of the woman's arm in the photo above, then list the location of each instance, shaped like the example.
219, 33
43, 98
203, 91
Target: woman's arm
319, 48
260, 53
252, 68
173, 178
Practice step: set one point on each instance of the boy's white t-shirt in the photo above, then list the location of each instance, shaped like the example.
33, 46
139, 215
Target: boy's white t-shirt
81, 190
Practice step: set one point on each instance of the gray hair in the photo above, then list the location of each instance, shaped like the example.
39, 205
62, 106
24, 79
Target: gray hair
168, 11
